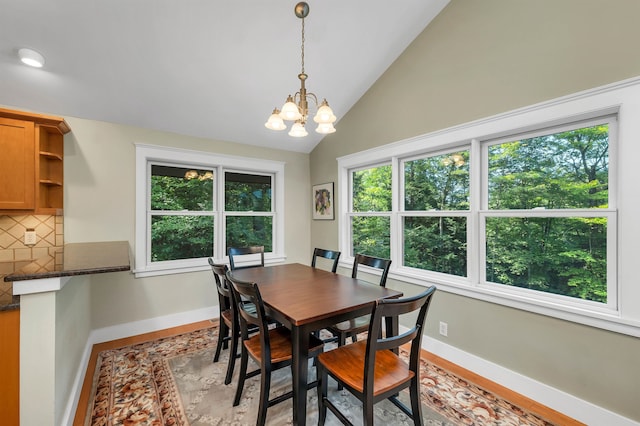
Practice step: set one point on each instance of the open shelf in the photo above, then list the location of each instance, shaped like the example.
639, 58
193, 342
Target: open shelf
51, 155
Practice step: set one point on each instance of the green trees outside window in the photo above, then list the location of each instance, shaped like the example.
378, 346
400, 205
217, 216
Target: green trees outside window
437, 186
176, 234
563, 171
541, 209
371, 203
245, 196
183, 211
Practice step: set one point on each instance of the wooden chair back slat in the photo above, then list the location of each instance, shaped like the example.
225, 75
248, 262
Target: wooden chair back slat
237, 253
372, 262
326, 254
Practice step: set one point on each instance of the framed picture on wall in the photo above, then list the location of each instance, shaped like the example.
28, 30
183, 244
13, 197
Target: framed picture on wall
323, 201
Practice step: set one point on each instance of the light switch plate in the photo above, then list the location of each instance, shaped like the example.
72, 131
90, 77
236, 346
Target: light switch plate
30, 237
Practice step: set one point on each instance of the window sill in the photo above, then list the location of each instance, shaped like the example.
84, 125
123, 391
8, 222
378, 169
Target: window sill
603, 319
174, 269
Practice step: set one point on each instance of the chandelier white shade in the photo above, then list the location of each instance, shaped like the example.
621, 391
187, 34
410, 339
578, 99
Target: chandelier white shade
298, 130
275, 122
296, 108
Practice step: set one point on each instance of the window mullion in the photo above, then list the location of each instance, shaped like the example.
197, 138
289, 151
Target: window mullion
475, 226
395, 227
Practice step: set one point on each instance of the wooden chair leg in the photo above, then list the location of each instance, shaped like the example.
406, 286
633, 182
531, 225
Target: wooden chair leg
367, 412
223, 332
232, 357
244, 359
322, 394
416, 406
265, 384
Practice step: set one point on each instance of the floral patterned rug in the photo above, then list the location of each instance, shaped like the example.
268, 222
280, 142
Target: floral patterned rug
172, 381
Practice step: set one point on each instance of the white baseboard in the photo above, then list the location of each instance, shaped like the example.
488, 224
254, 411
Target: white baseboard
558, 400
120, 331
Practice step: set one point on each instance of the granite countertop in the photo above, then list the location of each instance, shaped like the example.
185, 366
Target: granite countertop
78, 259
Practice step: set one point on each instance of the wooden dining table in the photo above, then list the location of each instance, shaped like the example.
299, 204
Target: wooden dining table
307, 299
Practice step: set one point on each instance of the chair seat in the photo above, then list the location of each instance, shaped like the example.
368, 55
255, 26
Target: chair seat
347, 364
227, 317
280, 341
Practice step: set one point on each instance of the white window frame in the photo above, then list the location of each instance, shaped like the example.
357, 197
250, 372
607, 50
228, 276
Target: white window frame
403, 213
376, 213
609, 213
148, 154
622, 313
179, 263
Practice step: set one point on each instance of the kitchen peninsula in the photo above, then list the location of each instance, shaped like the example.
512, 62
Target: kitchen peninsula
49, 322
78, 259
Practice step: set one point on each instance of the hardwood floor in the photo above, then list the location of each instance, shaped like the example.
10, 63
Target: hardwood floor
535, 407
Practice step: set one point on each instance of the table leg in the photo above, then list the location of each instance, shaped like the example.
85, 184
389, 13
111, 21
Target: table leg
300, 366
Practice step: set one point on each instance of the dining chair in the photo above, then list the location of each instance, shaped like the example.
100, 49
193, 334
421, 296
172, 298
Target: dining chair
351, 328
270, 348
250, 257
329, 255
326, 254
371, 370
228, 323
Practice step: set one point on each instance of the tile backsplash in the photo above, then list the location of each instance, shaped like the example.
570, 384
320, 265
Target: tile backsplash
49, 241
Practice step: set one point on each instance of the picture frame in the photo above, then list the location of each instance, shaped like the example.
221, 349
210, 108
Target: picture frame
323, 201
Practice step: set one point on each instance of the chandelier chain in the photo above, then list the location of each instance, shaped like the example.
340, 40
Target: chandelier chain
302, 48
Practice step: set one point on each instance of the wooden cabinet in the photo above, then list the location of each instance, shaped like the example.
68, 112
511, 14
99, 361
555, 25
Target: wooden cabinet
17, 164
31, 163
10, 367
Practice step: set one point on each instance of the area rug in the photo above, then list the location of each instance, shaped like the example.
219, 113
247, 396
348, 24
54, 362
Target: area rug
172, 381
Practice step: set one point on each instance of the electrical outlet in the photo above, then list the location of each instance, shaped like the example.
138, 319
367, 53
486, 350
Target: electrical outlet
30, 237
444, 328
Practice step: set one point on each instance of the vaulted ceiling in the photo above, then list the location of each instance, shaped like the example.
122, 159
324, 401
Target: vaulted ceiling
207, 68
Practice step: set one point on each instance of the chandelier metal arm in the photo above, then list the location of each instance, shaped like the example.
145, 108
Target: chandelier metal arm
301, 99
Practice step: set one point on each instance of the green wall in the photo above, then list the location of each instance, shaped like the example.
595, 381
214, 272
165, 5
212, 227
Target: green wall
475, 60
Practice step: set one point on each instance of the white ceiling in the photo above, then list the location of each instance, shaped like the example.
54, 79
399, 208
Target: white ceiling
208, 68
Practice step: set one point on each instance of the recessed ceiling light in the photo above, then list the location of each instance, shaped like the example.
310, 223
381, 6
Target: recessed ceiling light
31, 58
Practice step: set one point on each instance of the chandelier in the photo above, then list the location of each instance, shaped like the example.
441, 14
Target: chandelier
296, 108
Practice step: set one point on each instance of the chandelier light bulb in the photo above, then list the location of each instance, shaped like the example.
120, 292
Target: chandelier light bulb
206, 176
325, 128
290, 111
298, 130
324, 114
275, 121
31, 58
191, 174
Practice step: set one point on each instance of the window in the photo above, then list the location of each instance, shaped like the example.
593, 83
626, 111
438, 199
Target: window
519, 209
546, 217
542, 217
371, 208
181, 213
248, 210
436, 211
192, 205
